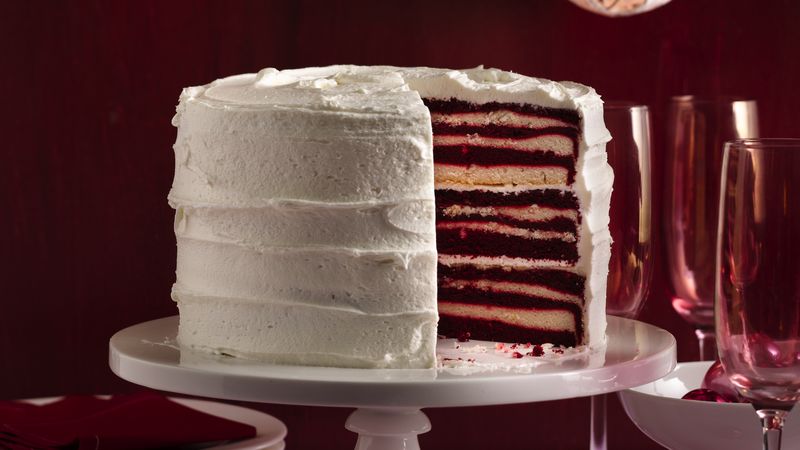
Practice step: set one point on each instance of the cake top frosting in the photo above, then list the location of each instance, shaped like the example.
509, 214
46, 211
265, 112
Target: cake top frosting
393, 90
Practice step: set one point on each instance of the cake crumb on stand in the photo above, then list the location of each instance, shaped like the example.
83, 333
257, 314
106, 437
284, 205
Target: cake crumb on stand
466, 358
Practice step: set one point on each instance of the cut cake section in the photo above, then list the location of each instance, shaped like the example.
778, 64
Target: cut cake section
508, 222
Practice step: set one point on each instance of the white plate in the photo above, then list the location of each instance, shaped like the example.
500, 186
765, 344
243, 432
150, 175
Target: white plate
657, 409
269, 430
636, 353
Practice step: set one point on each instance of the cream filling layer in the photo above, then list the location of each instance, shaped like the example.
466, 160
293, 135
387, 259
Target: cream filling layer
508, 230
531, 213
549, 319
500, 175
503, 189
509, 287
501, 117
556, 143
502, 261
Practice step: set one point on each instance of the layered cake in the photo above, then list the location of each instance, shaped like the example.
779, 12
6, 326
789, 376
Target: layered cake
330, 216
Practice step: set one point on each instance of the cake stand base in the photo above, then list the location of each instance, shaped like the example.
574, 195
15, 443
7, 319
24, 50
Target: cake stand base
389, 402
387, 429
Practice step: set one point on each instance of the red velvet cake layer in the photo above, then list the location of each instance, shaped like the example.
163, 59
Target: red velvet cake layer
455, 106
485, 297
491, 330
553, 198
481, 243
556, 224
560, 280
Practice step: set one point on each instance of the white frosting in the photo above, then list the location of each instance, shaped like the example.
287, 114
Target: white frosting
305, 215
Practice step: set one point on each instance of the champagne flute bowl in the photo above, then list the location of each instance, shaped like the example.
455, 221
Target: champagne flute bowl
757, 307
696, 131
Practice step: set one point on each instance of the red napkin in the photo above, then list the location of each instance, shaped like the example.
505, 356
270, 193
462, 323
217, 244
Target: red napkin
138, 421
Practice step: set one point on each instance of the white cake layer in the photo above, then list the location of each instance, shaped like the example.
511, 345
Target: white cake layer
361, 281
368, 226
558, 144
289, 333
540, 176
510, 287
501, 117
545, 319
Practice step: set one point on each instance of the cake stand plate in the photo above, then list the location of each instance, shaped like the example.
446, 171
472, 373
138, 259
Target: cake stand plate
389, 400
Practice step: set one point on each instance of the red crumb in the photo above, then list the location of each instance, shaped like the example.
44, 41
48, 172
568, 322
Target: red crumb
537, 350
516, 355
558, 350
513, 346
527, 345
499, 346
464, 337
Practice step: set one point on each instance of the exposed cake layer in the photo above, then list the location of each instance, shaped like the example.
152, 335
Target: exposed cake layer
493, 119
500, 331
514, 218
460, 106
525, 298
465, 242
499, 196
563, 281
499, 159
501, 175
490, 301
533, 224
508, 324
548, 143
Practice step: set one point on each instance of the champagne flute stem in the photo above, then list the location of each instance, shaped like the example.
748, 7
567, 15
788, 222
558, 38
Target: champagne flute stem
772, 427
598, 422
707, 342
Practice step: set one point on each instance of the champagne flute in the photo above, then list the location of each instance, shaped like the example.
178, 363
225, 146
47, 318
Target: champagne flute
758, 276
697, 128
630, 268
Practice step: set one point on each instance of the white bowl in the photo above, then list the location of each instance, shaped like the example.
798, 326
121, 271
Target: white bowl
657, 409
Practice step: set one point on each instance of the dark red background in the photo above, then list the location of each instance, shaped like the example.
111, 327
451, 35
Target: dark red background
88, 90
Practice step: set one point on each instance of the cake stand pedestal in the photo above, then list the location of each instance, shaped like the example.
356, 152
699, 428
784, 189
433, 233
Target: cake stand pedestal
389, 402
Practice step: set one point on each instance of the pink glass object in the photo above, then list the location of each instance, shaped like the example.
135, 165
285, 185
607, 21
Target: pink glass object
706, 395
758, 276
717, 380
696, 131
630, 268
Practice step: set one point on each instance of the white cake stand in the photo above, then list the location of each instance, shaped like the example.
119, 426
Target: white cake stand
388, 402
